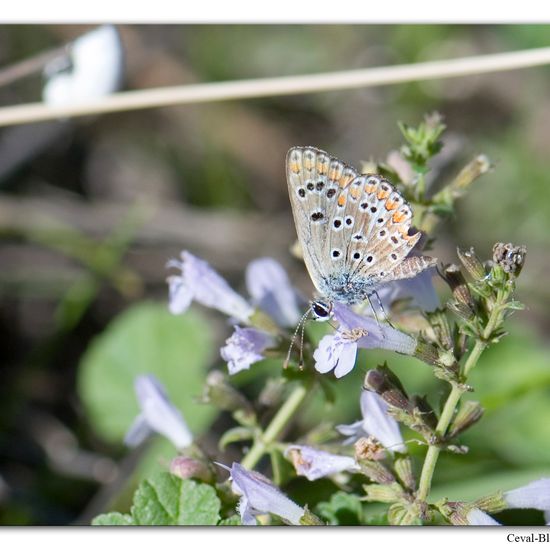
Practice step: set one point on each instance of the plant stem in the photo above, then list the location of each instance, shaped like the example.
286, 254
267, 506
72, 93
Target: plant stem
454, 397
277, 425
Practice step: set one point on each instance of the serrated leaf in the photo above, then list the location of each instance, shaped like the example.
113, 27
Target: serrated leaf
233, 520
341, 509
145, 338
165, 499
113, 518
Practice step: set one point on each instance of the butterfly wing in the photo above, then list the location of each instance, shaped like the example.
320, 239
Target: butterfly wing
315, 181
374, 222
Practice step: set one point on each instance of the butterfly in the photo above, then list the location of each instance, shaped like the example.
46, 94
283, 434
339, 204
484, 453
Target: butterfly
354, 229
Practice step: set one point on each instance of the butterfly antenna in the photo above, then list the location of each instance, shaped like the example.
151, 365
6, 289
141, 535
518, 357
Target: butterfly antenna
301, 362
293, 340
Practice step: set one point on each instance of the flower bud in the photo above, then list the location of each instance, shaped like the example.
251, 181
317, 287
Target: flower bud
441, 328
406, 513
468, 414
459, 287
384, 493
376, 471
509, 257
383, 382
472, 263
403, 468
187, 468
426, 352
224, 396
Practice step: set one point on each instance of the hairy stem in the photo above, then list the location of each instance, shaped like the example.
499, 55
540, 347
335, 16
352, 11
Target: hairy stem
454, 397
284, 415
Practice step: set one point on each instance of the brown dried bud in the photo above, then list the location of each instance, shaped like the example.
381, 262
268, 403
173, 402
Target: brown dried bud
427, 352
369, 448
383, 382
459, 287
441, 328
509, 257
472, 263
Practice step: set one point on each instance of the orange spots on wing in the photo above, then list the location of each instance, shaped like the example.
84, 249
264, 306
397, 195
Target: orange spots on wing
335, 171
398, 217
345, 181
341, 200
383, 194
370, 188
355, 192
294, 166
308, 163
391, 205
322, 166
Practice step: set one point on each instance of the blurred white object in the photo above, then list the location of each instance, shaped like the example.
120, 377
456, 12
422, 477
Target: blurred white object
96, 69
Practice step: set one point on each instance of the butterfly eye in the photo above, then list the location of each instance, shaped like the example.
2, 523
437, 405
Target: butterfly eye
321, 310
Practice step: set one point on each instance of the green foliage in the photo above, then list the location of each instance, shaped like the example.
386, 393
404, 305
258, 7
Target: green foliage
146, 338
165, 499
341, 509
113, 518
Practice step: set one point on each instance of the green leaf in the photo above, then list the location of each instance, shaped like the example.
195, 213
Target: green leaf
114, 518
341, 509
145, 338
165, 499
233, 520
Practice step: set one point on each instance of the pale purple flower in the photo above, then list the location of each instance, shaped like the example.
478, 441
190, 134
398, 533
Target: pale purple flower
476, 517
338, 351
376, 422
420, 289
533, 495
260, 496
157, 414
244, 347
314, 463
199, 282
270, 289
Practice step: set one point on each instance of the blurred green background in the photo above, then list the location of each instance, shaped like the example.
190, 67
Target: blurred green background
91, 209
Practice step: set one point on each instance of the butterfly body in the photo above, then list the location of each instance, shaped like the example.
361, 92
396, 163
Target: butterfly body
354, 229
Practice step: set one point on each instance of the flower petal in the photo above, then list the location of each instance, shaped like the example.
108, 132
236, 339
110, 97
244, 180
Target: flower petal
346, 362
270, 288
314, 463
159, 413
476, 517
203, 284
138, 432
377, 422
533, 495
260, 496
180, 295
245, 347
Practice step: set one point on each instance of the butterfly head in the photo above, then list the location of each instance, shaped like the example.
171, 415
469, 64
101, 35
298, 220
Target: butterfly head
321, 310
